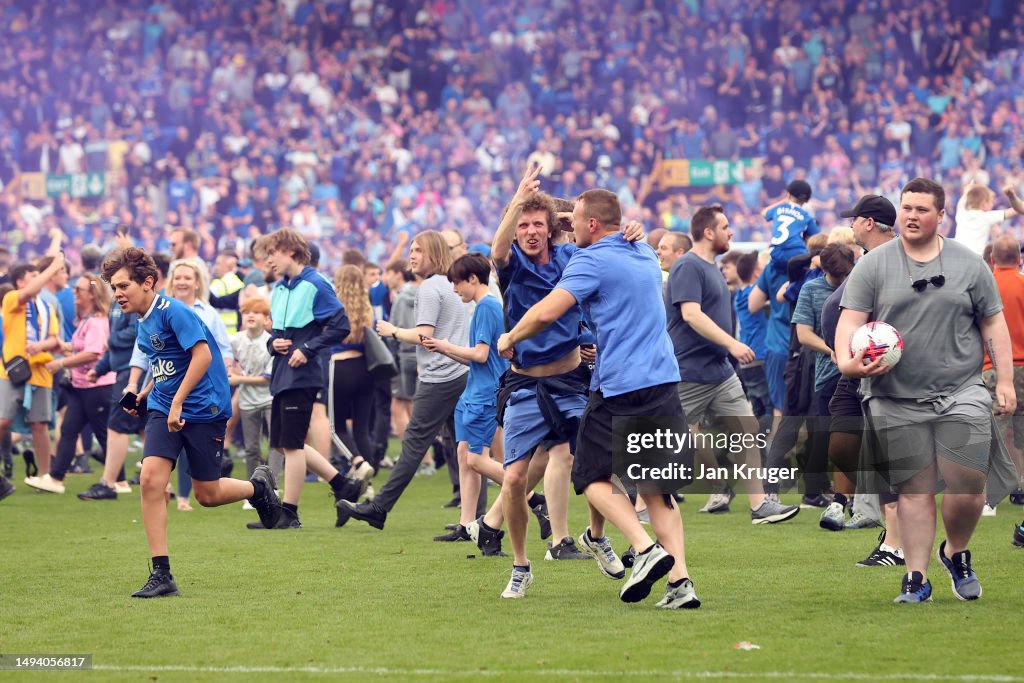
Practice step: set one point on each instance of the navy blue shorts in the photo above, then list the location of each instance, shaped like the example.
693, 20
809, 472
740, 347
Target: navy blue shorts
475, 424
201, 441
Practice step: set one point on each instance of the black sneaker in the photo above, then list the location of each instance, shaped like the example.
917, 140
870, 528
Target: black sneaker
227, 465
31, 468
456, 535
815, 501
255, 525
455, 502
6, 487
540, 511
488, 540
364, 512
288, 520
80, 465
350, 490
268, 505
565, 550
1018, 535
98, 491
160, 584
884, 555
1017, 497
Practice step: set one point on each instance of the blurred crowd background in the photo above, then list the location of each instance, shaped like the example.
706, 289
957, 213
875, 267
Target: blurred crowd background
355, 120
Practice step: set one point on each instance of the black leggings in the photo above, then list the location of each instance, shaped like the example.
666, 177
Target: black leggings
84, 407
352, 399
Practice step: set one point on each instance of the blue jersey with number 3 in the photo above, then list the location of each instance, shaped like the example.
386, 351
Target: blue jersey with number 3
791, 225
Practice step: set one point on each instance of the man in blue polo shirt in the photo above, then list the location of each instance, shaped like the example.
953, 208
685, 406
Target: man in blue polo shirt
189, 403
618, 285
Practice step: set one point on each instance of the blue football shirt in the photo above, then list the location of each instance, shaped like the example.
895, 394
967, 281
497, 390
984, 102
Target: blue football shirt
618, 284
485, 328
524, 284
166, 335
791, 225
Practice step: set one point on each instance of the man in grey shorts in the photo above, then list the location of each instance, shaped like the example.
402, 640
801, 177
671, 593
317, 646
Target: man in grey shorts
698, 306
931, 412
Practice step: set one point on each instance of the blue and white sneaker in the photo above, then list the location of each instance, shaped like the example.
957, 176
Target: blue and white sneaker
601, 550
522, 578
915, 589
963, 580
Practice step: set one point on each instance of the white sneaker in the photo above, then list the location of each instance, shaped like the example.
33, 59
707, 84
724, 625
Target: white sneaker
681, 597
833, 518
601, 550
364, 472
520, 581
45, 483
648, 568
988, 511
247, 506
369, 493
124, 487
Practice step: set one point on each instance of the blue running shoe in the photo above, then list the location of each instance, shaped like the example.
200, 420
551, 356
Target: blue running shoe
1018, 535
963, 579
915, 589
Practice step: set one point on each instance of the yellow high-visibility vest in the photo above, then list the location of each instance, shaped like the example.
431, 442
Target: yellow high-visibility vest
222, 286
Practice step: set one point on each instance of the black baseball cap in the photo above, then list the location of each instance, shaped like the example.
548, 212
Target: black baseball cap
799, 189
873, 206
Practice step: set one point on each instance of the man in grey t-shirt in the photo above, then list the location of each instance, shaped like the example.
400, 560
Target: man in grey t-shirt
440, 314
931, 412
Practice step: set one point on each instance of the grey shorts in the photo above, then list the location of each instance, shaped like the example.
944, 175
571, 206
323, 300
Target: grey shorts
910, 436
12, 401
720, 400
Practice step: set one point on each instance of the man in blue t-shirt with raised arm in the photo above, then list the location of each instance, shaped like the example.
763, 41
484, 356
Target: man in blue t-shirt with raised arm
189, 402
618, 285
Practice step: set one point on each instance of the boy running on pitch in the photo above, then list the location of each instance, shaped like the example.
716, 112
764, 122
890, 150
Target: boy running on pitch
189, 403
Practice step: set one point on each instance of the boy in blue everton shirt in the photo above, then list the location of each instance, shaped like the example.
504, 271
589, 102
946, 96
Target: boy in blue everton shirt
476, 414
189, 404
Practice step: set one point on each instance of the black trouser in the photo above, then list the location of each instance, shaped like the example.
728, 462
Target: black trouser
380, 420
432, 406
84, 407
352, 390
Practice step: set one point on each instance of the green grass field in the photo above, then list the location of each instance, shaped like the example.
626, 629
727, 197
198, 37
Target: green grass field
361, 604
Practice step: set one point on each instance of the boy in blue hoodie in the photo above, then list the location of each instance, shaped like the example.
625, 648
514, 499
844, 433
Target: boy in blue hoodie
307, 319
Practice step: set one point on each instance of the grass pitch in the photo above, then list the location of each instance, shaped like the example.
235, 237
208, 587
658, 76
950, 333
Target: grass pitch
356, 603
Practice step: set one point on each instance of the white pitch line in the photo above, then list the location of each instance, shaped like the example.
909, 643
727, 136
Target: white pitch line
581, 673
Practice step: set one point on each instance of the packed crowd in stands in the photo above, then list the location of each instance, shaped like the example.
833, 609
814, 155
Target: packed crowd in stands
355, 120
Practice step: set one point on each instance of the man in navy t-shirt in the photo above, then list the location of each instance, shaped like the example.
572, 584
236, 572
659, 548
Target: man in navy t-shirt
699, 311
618, 284
189, 403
